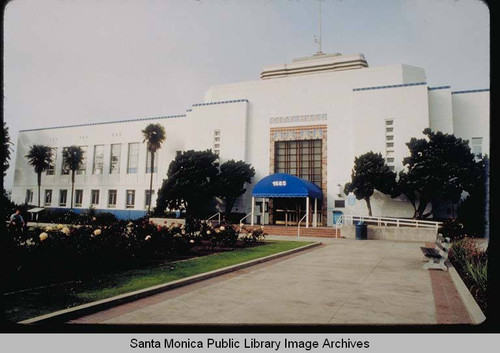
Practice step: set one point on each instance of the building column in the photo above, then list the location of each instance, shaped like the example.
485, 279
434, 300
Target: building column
253, 210
307, 212
263, 210
315, 222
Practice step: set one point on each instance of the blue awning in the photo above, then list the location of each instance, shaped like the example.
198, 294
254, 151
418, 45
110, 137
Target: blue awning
286, 185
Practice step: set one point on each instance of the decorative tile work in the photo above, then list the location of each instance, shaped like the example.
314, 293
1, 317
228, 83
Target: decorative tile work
471, 91
297, 118
389, 86
105, 123
307, 132
438, 87
221, 102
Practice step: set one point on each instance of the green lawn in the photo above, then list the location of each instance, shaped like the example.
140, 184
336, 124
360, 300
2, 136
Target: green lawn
24, 305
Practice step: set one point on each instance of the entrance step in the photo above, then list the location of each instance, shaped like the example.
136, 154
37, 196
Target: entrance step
325, 232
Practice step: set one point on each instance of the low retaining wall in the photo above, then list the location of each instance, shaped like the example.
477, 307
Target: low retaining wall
393, 233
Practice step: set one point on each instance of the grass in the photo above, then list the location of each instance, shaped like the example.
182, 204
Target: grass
40, 301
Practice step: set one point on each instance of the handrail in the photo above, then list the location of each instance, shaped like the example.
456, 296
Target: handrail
241, 224
340, 221
397, 221
209, 218
298, 225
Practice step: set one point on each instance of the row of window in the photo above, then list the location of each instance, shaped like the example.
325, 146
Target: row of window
114, 158
94, 198
389, 143
301, 158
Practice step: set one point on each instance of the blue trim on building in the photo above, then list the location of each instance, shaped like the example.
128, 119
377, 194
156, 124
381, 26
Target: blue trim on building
105, 123
471, 91
120, 214
221, 102
438, 87
389, 86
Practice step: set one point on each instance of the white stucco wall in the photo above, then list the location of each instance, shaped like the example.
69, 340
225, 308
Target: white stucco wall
471, 116
440, 110
355, 102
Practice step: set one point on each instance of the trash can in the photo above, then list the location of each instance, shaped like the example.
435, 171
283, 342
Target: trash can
361, 231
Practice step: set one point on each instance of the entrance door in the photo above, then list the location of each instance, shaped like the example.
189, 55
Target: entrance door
288, 211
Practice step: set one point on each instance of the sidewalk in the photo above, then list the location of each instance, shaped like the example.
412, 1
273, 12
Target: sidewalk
343, 282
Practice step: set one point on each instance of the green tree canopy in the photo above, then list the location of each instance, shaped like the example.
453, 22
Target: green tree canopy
370, 173
440, 167
154, 135
7, 148
231, 180
72, 158
40, 157
189, 182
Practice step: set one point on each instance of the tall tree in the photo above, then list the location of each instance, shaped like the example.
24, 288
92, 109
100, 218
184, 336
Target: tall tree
7, 148
370, 173
189, 182
440, 167
72, 158
231, 181
154, 135
40, 157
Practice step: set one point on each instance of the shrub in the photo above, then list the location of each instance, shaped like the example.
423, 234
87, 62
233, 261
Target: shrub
472, 262
453, 229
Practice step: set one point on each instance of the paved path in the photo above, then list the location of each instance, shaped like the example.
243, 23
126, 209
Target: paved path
343, 282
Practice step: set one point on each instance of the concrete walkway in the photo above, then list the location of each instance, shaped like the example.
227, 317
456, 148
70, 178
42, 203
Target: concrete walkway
343, 282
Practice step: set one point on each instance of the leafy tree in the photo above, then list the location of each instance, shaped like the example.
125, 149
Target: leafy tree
40, 157
440, 167
154, 135
189, 182
370, 173
231, 180
72, 158
472, 211
7, 148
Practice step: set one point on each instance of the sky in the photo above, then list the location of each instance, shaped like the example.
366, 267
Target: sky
76, 61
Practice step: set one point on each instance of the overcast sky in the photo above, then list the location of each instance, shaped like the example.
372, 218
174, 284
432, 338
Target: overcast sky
76, 61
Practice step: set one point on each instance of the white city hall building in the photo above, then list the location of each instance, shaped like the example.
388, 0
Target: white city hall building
309, 118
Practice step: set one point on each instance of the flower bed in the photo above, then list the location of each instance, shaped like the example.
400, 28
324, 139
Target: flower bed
472, 264
59, 253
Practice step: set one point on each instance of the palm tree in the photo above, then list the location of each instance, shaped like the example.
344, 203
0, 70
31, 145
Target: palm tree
40, 157
72, 158
154, 135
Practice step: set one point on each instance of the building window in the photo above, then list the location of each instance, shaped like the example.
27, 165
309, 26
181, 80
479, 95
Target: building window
29, 196
130, 199
300, 158
389, 143
63, 195
48, 197
133, 157
94, 197
216, 145
112, 198
148, 162
83, 167
65, 166
147, 197
339, 203
116, 150
477, 146
78, 198
98, 164
52, 165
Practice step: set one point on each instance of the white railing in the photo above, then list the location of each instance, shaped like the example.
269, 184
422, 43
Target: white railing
298, 225
241, 220
209, 218
388, 221
339, 223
